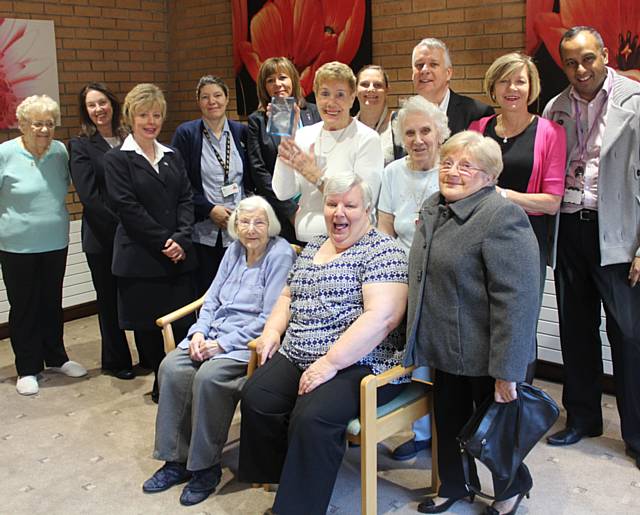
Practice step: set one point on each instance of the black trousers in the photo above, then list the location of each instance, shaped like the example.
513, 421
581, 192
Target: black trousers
455, 399
34, 289
298, 441
581, 284
115, 348
209, 259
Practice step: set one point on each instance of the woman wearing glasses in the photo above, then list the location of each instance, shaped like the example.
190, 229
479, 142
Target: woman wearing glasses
475, 273
34, 239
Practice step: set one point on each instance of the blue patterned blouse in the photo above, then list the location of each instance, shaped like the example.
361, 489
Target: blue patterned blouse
326, 299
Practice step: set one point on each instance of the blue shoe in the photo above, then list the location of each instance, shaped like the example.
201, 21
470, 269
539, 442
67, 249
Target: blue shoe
171, 473
201, 485
410, 449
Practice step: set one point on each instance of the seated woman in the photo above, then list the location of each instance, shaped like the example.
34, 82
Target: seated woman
474, 263
200, 381
345, 295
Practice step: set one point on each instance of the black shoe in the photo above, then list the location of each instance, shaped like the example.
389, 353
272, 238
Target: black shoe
410, 449
570, 435
155, 391
171, 473
201, 485
490, 510
125, 373
429, 506
633, 454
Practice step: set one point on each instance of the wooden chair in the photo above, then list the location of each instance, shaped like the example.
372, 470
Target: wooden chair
378, 423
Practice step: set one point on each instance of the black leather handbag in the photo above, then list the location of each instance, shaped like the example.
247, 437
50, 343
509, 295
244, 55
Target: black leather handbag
500, 435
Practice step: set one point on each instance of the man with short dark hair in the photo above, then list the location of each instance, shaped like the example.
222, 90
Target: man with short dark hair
598, 248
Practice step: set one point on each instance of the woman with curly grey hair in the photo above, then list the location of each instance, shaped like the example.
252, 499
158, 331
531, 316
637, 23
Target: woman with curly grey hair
34, 239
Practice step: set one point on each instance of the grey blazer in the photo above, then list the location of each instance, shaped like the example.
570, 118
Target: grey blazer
473, 288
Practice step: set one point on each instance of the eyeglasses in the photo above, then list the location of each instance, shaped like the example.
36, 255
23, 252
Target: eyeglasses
49, 124
258, 224
463, 167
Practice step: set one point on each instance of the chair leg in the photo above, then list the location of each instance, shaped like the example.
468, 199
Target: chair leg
435, 476
369, 449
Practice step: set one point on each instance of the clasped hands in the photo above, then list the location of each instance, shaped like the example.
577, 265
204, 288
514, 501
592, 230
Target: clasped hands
174, 251
320, 371
201, 349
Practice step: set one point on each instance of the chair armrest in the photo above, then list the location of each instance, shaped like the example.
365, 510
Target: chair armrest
389, 375
180, 312
253, 359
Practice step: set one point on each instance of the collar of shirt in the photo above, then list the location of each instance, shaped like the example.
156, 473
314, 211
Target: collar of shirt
225, 129
444, 105
601, 96
131, 145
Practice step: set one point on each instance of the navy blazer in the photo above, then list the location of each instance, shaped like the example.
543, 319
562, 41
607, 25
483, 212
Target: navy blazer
263, 152
151, 208
86, 163
461, 111
188, 140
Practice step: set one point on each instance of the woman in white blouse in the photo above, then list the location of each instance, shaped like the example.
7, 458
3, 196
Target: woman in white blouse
337, 144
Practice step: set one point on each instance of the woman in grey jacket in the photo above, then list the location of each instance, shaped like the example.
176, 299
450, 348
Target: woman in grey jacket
474, 280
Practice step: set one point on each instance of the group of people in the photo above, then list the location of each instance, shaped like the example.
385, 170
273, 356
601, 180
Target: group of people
441, 211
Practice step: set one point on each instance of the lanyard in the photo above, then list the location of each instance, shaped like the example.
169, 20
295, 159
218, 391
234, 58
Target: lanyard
582, 140
224, 164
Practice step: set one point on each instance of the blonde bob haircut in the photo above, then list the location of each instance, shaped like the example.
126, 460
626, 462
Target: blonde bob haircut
334, 70
420, 105
278, 65
249, 205
504, 66
484, 152
142, 96
40, 104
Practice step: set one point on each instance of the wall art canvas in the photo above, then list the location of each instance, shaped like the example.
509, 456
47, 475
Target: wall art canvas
309, 33
27, 64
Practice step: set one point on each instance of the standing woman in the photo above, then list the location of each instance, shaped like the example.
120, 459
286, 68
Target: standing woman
214, 152
336, 145
373, 87
153, 257
100, 131
277, 77
34, 239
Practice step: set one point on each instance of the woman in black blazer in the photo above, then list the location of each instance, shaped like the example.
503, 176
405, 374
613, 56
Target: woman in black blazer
149, 190
100, 131
277, 77
209, 145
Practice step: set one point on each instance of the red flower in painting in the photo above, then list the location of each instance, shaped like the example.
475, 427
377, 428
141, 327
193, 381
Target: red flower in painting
308, 33
618, 22
15, 70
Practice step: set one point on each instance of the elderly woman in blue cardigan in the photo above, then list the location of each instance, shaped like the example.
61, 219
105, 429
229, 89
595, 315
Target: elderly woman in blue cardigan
214, 151
34, 239
200, 381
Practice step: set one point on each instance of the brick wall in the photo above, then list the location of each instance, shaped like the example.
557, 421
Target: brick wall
120, 42
174, 42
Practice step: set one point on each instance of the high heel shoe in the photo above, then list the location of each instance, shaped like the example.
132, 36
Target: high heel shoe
490, 510
428, 506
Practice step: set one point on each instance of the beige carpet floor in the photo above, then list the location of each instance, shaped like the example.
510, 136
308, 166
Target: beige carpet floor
83, 446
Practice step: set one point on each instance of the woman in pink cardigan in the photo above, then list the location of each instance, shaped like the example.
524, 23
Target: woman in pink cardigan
533, 148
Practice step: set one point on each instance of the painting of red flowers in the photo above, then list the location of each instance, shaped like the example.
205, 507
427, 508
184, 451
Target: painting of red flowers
309, 33
27, 64
618, 21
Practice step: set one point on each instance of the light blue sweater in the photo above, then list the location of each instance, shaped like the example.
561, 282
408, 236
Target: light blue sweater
33, 214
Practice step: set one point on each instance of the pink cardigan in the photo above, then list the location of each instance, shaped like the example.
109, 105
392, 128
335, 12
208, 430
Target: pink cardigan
549, 156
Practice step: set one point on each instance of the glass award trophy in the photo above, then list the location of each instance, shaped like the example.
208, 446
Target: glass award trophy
282, 116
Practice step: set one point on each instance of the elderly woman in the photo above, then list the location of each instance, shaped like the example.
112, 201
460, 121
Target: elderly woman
34, 237
319, 151
214, 150
277, 77
474, 266
346, 293
406, 184
373, 87
200, 381
150, 193
100, 131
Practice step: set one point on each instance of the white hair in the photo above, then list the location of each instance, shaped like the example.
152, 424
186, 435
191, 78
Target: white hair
252, 204
420, 105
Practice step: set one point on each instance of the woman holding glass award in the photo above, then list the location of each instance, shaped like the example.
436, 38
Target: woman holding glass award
277, 78
337, 144
214, 152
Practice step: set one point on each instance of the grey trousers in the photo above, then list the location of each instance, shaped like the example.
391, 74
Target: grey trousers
197, 403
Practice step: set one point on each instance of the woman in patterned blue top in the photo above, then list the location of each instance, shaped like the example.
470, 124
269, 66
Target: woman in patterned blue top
345, 295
